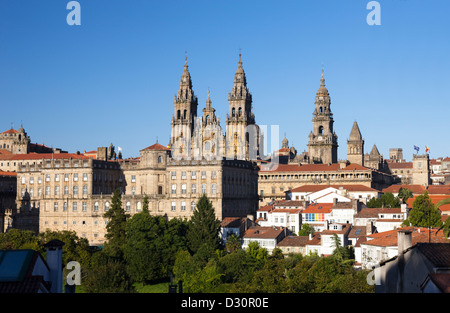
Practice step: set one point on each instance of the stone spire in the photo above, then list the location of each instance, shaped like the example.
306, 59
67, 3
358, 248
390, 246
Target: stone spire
239, 117
185, 113
355, 134
322, 145
355, 146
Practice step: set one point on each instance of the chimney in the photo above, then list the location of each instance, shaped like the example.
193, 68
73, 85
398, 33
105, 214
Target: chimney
355, 205
369, 228
404, 240
54, 262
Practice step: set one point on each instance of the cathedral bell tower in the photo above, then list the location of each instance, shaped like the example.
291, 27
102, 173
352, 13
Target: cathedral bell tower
355, 146
242, 134
322, 146
183, 120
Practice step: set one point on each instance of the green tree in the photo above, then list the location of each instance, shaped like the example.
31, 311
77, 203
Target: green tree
19, 239
75, 248
116, 227
233, 243
306, 230
143, 249
446, 225
145, 205
424, 213
404, 194
340, 252
107, 275
204, 227
388, 200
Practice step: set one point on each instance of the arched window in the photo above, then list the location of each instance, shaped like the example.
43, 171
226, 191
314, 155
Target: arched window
240, 111
184, 114
320, 109
233, 112
159, 159
178, 114
128, 207
320, 130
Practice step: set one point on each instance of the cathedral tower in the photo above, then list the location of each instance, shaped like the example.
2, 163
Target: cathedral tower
355, 146
242, 134
322, 146
183, 120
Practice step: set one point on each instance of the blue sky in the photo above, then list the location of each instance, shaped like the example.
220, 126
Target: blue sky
113, 78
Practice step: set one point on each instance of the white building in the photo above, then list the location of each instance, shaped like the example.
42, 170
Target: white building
266, 237
314, 192
282, 214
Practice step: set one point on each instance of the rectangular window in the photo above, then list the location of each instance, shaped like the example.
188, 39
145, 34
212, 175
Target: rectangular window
74, 207
193, 188
203, 188
183, 189
75, 177
203, 174
84, 206
183, 206
213, 189
213, 174
85, 190
133, 178
85, 177
173, 206
66, 177
174, 175
194, 175
55, 207
183, 175
56, 190
56, 177
174, 189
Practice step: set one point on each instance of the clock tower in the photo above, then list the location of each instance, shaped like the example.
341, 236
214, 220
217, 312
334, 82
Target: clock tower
322, 145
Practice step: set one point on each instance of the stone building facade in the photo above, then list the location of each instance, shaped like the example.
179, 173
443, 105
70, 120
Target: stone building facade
65, 191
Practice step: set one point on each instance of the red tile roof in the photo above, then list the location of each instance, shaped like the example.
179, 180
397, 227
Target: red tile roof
263, 232
435, 199
39, 156
416, 189
3, 173
439, 189
419, 234
156, 146
395, 165
294, 241
10, 131
318, 208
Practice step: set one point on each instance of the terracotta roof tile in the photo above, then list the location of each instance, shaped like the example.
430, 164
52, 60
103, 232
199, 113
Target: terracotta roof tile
416, 189
263, 232
156, 146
